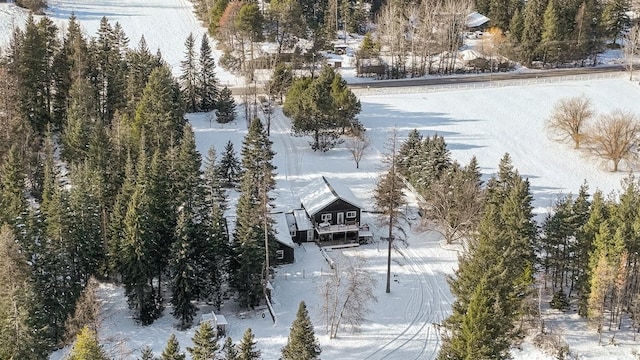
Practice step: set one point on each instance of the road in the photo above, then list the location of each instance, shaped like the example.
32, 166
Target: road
466, 79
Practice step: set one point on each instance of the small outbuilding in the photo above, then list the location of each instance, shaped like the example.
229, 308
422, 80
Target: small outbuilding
286, 246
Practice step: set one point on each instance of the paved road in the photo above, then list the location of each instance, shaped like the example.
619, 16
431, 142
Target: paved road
461, 79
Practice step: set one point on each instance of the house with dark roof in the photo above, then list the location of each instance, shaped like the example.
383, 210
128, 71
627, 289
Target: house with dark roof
334, 212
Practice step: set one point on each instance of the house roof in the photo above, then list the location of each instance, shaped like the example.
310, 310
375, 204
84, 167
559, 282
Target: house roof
303, 223
475, 19
321, 192
282, 230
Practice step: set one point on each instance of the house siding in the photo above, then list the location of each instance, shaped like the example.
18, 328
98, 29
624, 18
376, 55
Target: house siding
338, 206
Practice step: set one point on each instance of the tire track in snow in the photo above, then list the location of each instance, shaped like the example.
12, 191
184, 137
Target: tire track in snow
415, 307
427, 309
281, 129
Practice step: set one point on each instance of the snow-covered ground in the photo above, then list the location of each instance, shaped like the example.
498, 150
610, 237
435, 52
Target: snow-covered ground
485, 122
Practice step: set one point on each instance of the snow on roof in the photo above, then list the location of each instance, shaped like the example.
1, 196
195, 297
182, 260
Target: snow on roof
475, 19
321, 192
469, 54
303, 223
282, 230
291, 221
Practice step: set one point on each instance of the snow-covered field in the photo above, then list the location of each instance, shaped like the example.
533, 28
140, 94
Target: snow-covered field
483, 122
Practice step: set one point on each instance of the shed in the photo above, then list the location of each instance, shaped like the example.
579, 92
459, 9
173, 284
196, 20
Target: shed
285, 250
304, 226
217, 321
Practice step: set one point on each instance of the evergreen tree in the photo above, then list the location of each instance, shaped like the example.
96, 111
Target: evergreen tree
550, 36
137, 252
147, 354
532, 30
16, 295
205, 343
31, 62
502, 254
230, 169
229, 350
189, 68
184, 282
13, 202
85, 228
158, 115
87, 347
408, 152
516, 26
213, 256
162, 190
389, 197
117, 216
207, 83
247, 347
109, 79
476, 338
281, 80
78, 127
226, 107
141, 63
172, 350
615, 18
302, 343
313, 105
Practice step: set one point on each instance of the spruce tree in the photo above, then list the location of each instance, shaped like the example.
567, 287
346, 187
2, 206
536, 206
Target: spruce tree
172, 350
230, 169
207, 83
87, 347
146, 354
189, 69
226, 107
158, 114
477, 335
205, 343
13, 202
229, 350
302, 343
550, 37
141, 63
184, 286
213, 256
247, 347
16, 297
505, 240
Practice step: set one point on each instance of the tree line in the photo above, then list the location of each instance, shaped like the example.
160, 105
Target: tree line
100, 176
414, 38
583, 253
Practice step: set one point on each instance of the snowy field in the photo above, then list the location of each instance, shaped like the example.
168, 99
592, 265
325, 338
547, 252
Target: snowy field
481, 122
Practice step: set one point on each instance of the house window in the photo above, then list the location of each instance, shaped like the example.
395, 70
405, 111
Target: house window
351, 214
325, 217
280, 254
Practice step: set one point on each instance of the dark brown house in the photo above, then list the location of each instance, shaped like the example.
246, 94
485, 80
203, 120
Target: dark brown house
334, 212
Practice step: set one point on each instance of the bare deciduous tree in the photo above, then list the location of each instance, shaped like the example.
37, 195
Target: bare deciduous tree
569, 119
357, 146
347, 292
455, 204
631, 49
615, 137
